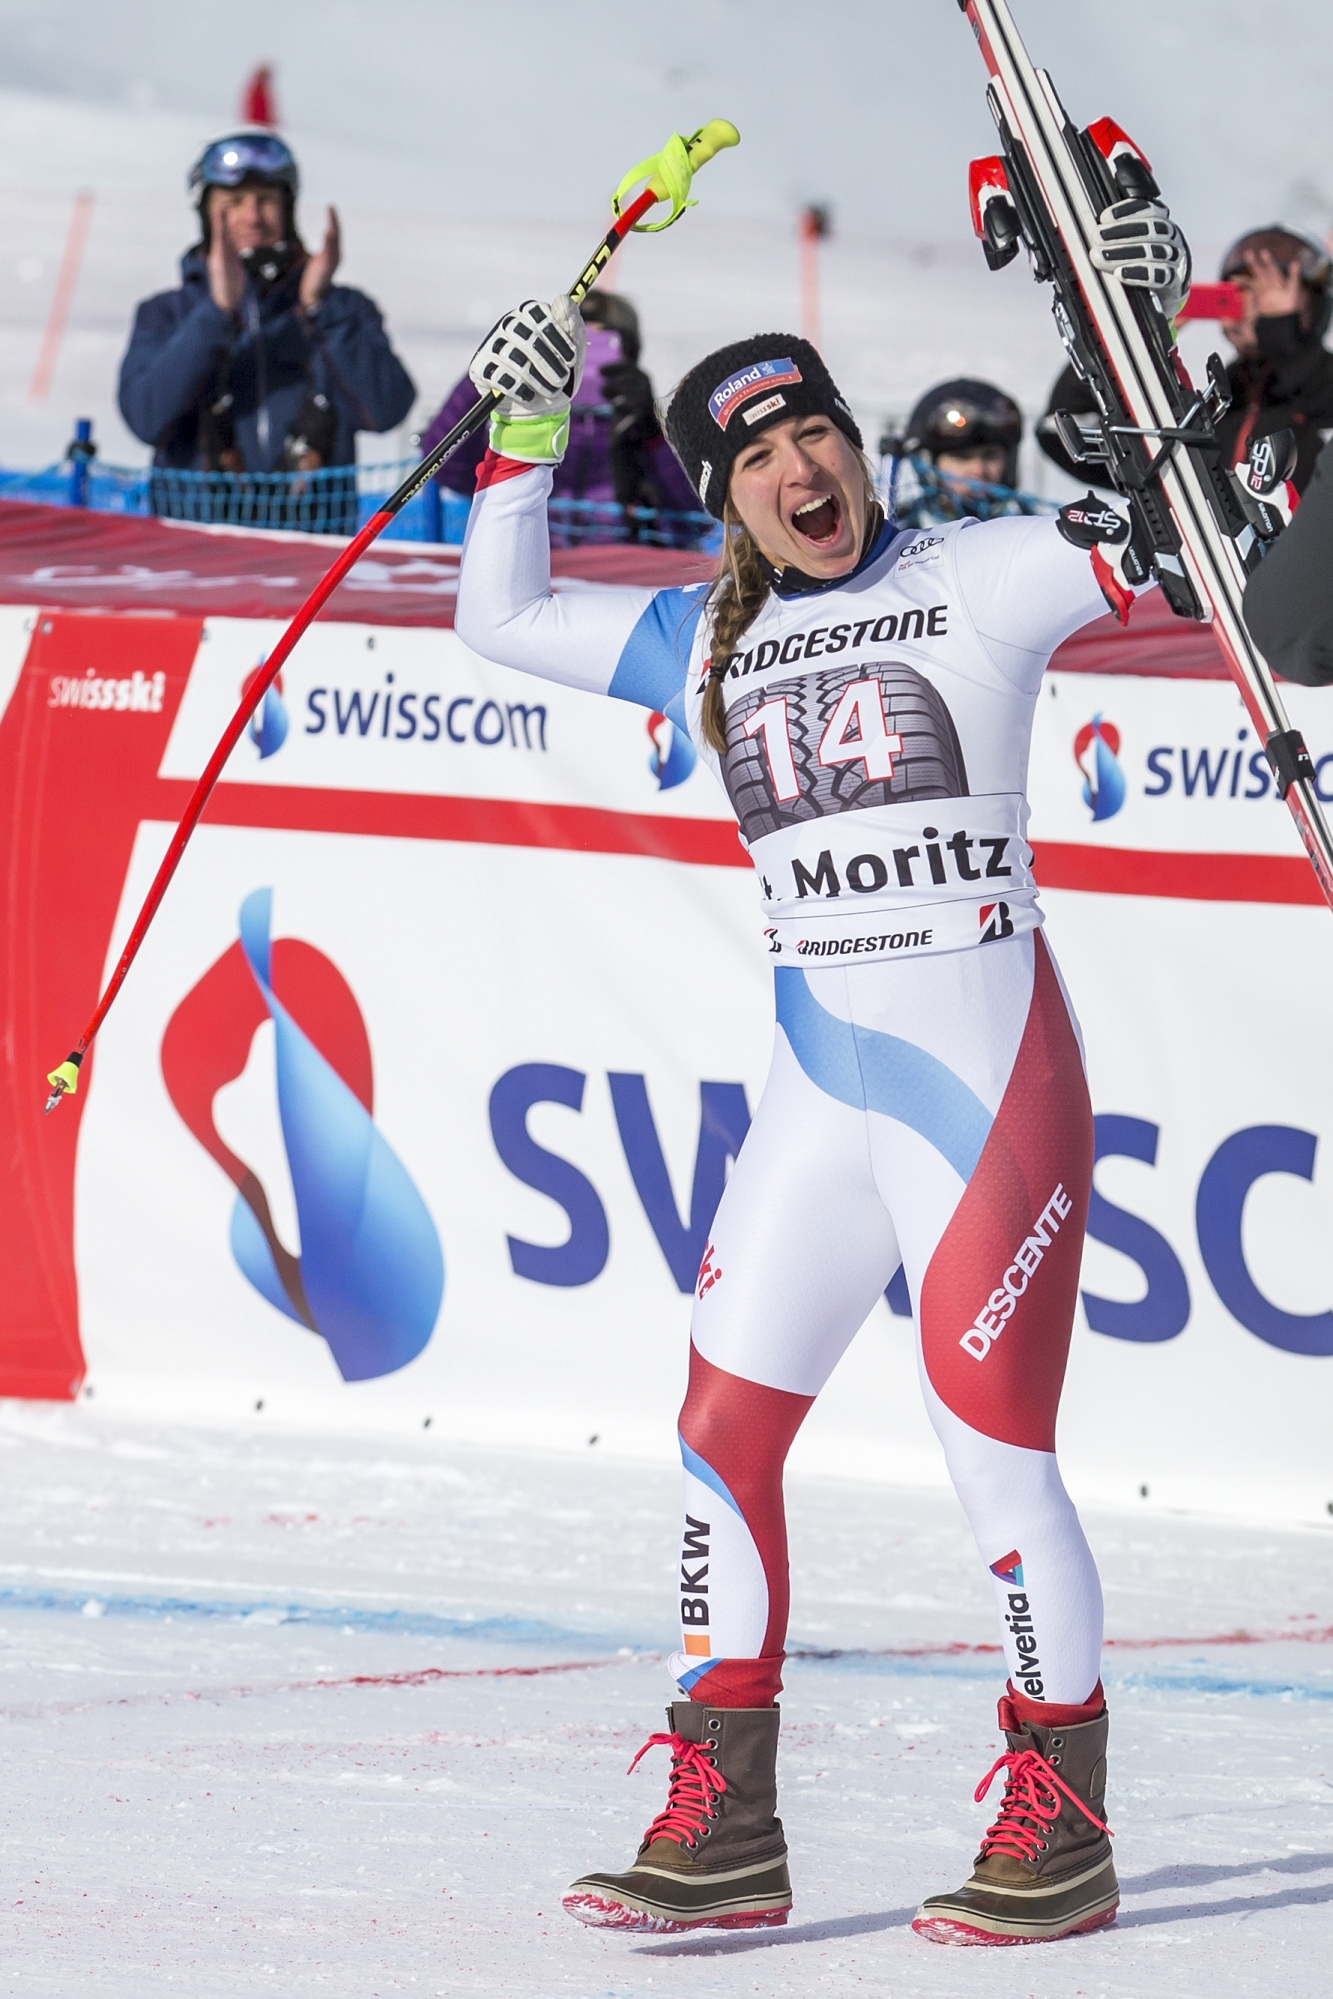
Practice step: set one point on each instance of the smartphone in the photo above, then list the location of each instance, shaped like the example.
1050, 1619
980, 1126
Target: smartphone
1213, 302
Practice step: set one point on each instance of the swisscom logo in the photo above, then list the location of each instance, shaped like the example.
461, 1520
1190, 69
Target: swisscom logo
1097, 754
269, 724
368, 1277
673, 755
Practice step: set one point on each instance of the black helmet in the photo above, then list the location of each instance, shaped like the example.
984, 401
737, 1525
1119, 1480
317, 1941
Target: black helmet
1286, 246
250, 154
964, 416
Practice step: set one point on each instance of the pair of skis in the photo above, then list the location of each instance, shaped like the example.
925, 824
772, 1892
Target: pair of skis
1195, 526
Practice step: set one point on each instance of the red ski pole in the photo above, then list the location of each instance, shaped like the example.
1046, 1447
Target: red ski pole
667, 176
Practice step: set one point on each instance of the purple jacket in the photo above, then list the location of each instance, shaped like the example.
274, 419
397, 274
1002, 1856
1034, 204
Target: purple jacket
586, 472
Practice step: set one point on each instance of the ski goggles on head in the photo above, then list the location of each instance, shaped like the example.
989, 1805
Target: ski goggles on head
957, 425
227, 162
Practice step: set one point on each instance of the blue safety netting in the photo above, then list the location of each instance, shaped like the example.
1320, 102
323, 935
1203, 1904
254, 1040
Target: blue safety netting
918, 496
338, 500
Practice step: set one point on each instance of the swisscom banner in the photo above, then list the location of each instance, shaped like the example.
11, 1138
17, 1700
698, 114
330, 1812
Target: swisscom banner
420, 1099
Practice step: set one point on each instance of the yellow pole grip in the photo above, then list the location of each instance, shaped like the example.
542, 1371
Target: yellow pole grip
710, 140
668, 174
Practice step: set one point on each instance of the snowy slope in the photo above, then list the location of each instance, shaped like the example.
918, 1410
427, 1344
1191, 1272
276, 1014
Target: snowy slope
314, 1718
460, 191
873, 105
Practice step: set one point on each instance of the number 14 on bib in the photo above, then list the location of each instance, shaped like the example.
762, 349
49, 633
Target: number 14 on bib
856, 732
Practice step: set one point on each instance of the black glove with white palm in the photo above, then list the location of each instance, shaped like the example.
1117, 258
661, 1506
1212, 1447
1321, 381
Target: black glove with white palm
1138, 242
533, 360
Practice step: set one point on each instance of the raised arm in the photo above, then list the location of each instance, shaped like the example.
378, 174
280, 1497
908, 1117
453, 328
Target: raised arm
1027, 586
632, 644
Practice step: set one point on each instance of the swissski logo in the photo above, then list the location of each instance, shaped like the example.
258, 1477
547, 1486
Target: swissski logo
1097, 754
369, 1274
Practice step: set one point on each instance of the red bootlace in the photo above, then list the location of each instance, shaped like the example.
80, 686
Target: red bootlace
694, 1783
1032, 1792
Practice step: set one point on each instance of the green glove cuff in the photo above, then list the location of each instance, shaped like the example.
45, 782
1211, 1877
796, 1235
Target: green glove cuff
534, 440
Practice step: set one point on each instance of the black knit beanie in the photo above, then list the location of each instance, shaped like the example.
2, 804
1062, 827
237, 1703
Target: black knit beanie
728, 398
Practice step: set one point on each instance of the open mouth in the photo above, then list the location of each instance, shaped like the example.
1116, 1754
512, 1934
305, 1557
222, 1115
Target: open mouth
818, 521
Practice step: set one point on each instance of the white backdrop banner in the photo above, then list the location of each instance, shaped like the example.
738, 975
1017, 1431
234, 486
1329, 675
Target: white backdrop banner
419, 1101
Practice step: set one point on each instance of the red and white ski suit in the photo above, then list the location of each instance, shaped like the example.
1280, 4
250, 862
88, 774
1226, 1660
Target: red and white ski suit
926, 1104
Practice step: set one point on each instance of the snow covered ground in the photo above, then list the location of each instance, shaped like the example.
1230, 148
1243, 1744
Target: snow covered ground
344, 1716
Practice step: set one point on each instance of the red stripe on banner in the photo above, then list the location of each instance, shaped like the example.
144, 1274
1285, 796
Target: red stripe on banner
492, 822
713, 843
1195, 877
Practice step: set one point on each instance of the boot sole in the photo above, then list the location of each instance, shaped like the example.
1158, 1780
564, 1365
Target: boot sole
951, 1930
601, 1915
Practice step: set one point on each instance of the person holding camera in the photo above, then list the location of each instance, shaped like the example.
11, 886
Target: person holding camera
1282, 374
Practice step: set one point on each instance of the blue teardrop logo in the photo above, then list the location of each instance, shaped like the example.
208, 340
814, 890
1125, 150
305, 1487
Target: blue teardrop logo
369, 1278
1097, 754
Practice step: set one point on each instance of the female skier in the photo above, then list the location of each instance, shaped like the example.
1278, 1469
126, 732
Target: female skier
866, 697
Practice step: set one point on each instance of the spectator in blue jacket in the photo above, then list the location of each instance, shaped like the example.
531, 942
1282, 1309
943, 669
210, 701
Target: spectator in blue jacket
258, 362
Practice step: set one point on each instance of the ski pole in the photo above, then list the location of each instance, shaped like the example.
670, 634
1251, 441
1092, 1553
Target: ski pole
667, 177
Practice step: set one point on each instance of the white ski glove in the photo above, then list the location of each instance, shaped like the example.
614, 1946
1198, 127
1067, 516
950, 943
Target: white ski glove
1138, 243
533, 359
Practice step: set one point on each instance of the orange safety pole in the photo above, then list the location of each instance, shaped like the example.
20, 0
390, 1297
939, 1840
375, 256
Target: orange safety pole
813, 224
66, 280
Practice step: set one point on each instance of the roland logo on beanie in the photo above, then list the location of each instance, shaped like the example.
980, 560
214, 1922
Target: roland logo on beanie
728, 397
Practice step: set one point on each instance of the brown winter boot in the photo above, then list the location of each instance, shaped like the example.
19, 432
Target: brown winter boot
714, 1857
1045, 1869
